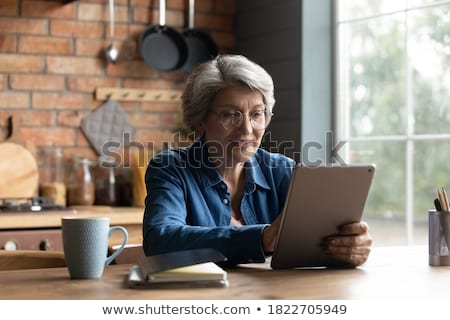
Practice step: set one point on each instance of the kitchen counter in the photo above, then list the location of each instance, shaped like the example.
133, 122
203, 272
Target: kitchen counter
49, 219
42, 230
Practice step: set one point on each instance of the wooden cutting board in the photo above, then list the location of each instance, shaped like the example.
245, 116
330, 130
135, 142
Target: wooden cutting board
18, 171
19, 175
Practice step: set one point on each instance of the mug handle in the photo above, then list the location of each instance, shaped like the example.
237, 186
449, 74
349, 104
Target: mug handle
120, 249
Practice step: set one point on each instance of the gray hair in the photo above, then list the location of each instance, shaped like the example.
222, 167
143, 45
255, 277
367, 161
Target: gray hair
210, 77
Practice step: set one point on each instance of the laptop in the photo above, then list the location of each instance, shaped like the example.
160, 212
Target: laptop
319, 200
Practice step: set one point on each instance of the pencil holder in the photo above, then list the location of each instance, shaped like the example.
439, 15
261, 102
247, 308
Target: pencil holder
438, 238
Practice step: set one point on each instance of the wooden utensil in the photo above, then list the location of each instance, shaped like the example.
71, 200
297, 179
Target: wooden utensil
18, 168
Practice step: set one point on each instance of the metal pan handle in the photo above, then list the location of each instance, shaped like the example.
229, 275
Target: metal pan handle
191, 14
162, 12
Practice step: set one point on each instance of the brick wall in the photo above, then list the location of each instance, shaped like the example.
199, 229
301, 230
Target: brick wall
52, 60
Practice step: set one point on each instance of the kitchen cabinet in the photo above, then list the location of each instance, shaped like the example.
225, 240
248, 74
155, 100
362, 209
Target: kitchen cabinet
42, 230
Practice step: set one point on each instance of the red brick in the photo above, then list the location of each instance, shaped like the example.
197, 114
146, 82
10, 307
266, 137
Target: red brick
121, 2
161, 107
129, 106
45, 45
141, 3
135, 31
92, 103
224, 40
99, 12
143, 16
174, 18
116, 2
178, 76
171, 120
225, 7
121, 32
36, 82
14, 100
37, 118
155, 137
8, 43
137, 69
69, 65
70, 118
86, 152
89, 84
205, 5
47, 9
81, 139
89, 47
41, 35
46, 136
20, 63
9, 8
147, 84
24, 26
57, 101
30, 118
214, 22
144, 120
77, 29
176, 4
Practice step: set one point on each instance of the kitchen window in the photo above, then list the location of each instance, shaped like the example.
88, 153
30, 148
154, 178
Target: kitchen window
393, 107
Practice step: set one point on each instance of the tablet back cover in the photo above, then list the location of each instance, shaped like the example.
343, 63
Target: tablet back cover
319, 200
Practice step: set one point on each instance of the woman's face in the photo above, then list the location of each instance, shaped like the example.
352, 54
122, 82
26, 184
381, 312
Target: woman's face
235, 142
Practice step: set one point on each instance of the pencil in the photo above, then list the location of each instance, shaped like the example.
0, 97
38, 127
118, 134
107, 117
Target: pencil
444, 195
441, 200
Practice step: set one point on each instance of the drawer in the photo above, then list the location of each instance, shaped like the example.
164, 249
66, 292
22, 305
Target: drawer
40, 239
51, 239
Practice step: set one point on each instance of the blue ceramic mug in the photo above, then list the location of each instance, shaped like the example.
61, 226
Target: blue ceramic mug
85, 242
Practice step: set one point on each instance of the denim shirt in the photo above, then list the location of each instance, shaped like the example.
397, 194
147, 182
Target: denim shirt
188, 205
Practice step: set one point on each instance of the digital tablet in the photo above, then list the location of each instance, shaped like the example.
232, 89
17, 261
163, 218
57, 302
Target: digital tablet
319, 200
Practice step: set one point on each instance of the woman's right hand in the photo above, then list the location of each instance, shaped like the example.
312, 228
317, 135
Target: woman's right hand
270, 234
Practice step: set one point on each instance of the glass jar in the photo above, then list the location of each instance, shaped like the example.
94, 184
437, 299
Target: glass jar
52, 174
81, 189
105, 181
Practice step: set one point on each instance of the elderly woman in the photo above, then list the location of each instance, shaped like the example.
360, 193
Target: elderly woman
223, 191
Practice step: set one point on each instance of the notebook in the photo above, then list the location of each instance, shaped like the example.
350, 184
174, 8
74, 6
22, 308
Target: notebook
187, 268
319, 200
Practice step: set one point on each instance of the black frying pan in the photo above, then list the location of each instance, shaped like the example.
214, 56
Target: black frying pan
201, 47
161, 46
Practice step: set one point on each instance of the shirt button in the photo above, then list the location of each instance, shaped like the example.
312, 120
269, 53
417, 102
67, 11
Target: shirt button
225, 201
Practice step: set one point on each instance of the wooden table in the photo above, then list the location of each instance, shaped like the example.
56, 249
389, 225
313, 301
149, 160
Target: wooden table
390, 273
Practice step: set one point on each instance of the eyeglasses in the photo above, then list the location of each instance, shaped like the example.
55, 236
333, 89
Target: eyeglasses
233, 119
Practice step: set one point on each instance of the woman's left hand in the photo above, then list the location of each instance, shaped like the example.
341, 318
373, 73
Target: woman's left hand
351, 244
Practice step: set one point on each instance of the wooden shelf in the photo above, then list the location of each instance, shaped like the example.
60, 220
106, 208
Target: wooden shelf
129, 94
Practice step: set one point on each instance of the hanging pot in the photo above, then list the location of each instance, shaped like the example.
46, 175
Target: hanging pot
201, 47
161, 46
